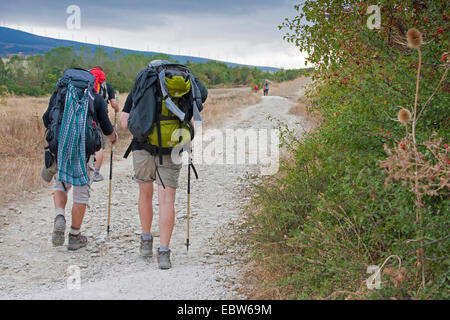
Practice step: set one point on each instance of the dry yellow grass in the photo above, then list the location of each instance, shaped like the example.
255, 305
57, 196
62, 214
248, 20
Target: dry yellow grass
224, 102
21, 146
290, 89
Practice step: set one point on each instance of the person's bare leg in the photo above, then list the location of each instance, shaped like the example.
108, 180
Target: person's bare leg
60, 199
166, 200
76, 240
78, 211
99, 158
145, 206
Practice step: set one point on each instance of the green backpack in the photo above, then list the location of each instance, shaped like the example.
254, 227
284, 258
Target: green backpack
166, 97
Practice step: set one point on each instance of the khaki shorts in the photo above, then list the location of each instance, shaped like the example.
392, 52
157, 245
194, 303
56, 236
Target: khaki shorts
145, 165
81, 194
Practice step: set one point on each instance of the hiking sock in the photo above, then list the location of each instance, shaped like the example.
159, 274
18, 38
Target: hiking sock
97, 170
60, 212
147, 236
163, 249
74, 231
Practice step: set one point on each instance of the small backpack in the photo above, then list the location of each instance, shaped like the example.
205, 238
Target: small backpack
83, 82
166, 96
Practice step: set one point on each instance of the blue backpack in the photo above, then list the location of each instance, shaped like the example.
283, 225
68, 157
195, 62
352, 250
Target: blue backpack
82, 81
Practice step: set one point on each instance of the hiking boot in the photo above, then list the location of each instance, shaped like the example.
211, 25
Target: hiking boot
164, 260
97, 177
76, 242
58, 230
146, 248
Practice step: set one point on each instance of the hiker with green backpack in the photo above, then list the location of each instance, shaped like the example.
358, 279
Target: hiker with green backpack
75, 114
159, 112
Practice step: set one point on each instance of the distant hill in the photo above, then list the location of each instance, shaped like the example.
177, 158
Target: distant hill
15, 41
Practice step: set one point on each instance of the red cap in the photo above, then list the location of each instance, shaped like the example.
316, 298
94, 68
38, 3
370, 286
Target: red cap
100, 77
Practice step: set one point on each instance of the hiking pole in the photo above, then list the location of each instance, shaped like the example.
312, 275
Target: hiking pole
190, 166
188, 200
113, 146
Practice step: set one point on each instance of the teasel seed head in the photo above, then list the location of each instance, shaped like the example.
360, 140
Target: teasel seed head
414, 37
404, 116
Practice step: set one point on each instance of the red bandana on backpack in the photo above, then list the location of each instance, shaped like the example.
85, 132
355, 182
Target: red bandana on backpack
100, 77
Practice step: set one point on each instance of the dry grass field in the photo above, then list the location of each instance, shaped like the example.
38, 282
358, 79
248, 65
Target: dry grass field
22, 137
223, 102
21, 146
288, 89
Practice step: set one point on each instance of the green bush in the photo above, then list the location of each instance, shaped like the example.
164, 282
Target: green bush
329, 212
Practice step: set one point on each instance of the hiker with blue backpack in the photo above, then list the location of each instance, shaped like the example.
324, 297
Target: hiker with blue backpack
159, 112
74, 116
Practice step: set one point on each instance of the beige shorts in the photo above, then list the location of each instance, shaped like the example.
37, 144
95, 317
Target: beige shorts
145, 165
81, 194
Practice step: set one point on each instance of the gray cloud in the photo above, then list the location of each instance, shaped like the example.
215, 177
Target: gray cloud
243, 30
128, 14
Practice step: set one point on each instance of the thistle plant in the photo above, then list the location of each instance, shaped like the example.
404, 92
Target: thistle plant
422, 166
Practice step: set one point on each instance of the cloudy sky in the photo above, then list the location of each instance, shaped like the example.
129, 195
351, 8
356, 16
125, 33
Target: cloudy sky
242, 31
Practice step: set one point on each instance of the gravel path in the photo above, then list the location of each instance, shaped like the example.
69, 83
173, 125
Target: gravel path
30, 268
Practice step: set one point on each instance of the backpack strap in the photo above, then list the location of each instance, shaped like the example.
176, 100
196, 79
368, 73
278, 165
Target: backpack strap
90, 90
160, 179
193, 169
196, 99
158, 128
104, 89
165, 95
158, 111
127, 153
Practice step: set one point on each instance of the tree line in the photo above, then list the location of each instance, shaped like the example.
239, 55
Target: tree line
36, 75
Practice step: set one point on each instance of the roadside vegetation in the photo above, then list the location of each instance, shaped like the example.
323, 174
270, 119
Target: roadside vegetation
370, 185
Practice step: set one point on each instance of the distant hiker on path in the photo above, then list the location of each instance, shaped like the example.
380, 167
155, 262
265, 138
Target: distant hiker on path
256, 88
74, 113
106, 91
155, 118
266, 88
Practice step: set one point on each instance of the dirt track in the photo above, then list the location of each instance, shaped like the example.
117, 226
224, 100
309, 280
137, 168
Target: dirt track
112, 268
